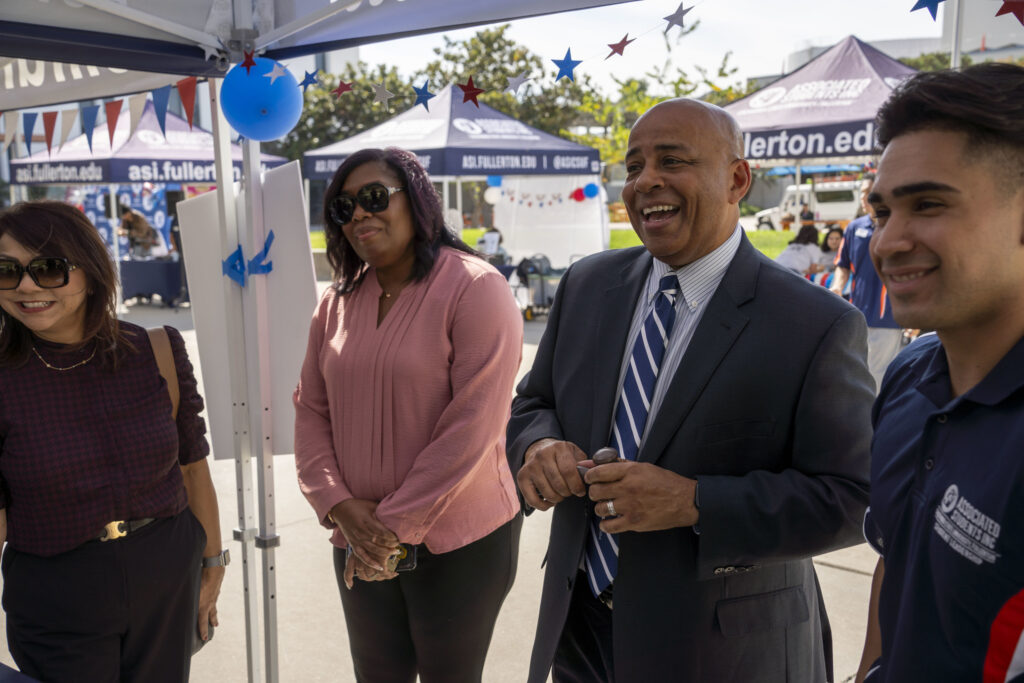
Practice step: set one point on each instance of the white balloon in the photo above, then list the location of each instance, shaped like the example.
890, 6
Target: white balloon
492, 195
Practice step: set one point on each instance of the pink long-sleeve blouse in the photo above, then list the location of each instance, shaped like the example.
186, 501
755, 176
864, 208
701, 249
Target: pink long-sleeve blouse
412, 413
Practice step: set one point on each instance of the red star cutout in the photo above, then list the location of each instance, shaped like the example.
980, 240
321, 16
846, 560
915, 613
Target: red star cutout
470, 92
248, 62
342, 88
1014, 7
619, 47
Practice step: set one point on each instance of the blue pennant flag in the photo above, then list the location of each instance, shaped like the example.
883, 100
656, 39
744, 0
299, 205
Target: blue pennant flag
256, 263
234, 266
160, 98
28, 122
89, 121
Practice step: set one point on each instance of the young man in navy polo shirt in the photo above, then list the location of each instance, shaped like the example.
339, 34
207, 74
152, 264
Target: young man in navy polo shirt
867, 293
947, 471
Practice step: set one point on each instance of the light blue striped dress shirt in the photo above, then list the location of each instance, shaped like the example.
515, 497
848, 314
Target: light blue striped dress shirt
698, 282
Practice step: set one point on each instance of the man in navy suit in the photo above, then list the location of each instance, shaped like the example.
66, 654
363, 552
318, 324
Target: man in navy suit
747, 453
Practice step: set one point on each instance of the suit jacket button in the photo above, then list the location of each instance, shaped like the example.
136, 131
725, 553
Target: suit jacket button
719, 570
568, 582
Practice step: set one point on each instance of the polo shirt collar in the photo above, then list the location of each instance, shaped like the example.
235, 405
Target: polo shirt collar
1004, 379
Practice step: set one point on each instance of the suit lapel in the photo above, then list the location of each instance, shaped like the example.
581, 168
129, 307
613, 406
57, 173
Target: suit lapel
715, 335
614, 319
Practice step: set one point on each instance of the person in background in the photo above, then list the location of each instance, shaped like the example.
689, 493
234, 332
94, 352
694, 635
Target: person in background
866, 290
106, 500
399, 430
141, 235
831, 240
806, 216
689, 559
802, 254
947, 472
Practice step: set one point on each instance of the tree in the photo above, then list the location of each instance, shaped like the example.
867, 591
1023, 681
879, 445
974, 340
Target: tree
933, 61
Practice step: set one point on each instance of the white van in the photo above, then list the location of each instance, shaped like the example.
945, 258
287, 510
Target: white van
834, 202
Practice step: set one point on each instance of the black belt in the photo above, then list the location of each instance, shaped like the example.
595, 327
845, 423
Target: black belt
121, 528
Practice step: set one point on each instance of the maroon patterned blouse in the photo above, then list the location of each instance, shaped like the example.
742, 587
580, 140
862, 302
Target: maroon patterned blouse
88, 446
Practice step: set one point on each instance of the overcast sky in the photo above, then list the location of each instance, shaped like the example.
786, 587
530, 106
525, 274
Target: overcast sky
760, 33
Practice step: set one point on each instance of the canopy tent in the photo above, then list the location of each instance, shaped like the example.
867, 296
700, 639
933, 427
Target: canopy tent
825, 109
178, 36
539, 171
185, 155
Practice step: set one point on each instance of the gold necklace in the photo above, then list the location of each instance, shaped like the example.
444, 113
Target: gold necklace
70, 367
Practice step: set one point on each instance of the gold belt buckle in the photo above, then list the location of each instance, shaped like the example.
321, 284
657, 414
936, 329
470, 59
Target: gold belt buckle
114, 530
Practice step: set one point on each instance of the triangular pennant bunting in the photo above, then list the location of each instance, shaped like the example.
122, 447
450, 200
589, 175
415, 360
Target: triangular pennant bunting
160, 98
28, 122
113, 111
187, 93
89, 122
136, 103
67, 120
10, 127
49, 124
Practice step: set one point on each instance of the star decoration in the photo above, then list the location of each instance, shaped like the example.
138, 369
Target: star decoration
342, 88
381, 94
210, 52
516, 82
275, 73
566, 65
310, 79
1014, 7
619, 47
248, 63
423, 94
676, 18
470, 92
932, 5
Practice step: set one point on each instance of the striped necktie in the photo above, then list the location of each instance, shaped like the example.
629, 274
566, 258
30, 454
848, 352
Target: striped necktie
602, 557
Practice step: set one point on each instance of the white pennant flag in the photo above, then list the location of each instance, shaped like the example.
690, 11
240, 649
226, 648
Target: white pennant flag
10, 127
136, 103
67, 120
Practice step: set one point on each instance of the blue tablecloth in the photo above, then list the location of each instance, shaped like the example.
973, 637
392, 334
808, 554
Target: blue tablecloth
145, 278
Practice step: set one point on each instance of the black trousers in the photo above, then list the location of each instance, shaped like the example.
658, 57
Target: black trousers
584, 652
123, 610
436, 620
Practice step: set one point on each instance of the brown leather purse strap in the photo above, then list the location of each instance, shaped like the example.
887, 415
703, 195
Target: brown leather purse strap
161, 344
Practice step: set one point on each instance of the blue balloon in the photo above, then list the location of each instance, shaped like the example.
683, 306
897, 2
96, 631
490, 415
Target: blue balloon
259, 106
591, 190
494, 181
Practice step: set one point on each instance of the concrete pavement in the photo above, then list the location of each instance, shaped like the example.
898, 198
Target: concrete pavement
312, 641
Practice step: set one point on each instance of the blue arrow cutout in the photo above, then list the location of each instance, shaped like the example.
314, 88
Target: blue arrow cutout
234, 266
256, 263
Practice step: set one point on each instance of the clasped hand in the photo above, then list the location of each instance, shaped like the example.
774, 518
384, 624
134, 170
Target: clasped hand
645, 497
371, 542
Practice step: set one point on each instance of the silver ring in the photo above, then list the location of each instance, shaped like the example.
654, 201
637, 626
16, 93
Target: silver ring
611, 508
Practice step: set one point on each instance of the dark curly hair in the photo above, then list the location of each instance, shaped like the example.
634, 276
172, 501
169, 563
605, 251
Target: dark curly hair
985, 102
429, 230
52, 228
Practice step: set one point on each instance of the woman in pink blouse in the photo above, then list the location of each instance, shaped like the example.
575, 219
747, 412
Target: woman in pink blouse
399, 432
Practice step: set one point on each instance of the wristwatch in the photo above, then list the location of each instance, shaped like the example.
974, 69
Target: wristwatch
222, 559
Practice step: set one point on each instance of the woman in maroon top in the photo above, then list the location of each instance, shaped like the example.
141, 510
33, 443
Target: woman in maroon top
106, 501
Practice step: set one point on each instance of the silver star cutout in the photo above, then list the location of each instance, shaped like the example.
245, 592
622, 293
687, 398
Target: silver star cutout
676, 18
210, 52
381, 94
516, 82
275, 73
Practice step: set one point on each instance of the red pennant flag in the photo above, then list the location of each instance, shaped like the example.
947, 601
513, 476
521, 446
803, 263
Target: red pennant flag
113, 110
49, 123
187, 92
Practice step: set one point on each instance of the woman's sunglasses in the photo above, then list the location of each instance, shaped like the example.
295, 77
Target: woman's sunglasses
48, 272
374, 198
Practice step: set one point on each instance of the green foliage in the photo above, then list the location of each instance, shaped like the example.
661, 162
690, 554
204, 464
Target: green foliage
933, 61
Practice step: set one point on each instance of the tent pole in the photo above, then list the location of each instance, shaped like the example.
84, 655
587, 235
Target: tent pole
115, 241
954, 57
246, 531
458, 205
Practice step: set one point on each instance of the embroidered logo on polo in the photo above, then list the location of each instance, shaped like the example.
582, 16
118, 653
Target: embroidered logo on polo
965, 528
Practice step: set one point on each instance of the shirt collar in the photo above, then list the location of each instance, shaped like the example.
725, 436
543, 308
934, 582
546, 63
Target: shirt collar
1001, 381
697, 280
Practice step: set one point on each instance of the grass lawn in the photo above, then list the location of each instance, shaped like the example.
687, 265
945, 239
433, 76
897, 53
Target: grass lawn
769, 242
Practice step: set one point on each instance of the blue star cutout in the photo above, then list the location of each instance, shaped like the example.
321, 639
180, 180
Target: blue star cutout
310, 79
932, 5
423, 94
566, 65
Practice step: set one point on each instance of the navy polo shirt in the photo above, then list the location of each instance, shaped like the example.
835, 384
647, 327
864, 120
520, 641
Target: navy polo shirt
947, 514
867, 292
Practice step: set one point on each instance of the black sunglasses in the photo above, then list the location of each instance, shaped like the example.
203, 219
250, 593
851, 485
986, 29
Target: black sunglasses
48, 272
373, 197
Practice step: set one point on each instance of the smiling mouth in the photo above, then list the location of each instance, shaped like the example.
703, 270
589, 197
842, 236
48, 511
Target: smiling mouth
35, 305
909, 277
657, 214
